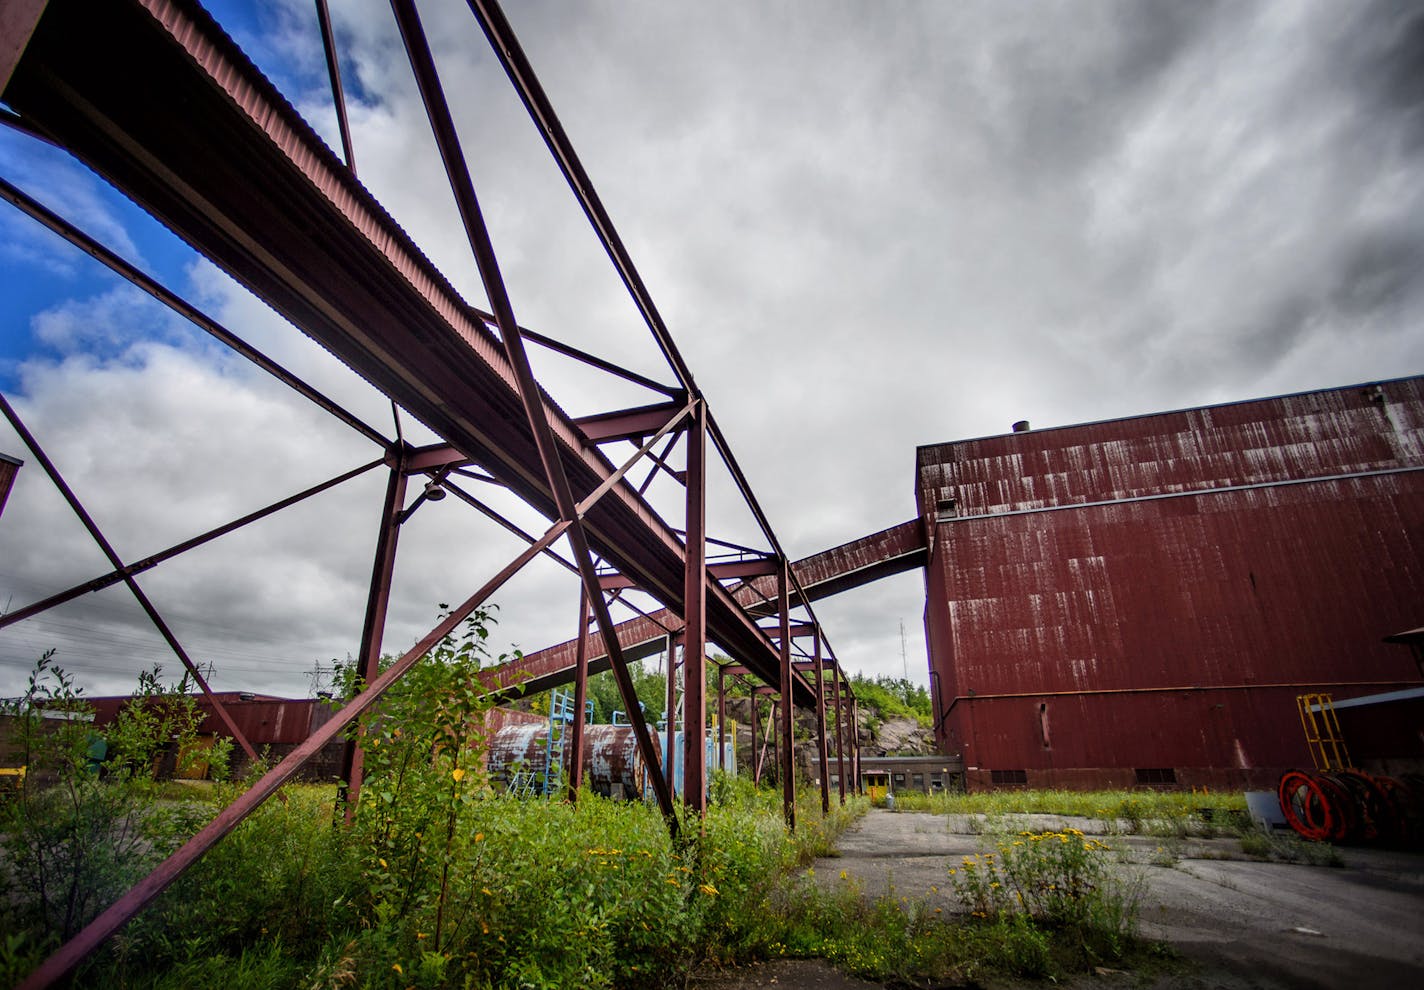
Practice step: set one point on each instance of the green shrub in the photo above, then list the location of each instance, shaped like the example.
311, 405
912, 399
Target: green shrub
1060, 878
71, 843
891, 696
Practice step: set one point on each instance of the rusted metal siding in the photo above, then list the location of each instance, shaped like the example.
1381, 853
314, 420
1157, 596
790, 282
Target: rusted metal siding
264, 720
9, 467
1341, 431
500, 718
1154, 592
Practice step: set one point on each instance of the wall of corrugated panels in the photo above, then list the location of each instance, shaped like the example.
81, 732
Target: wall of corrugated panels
1154, 592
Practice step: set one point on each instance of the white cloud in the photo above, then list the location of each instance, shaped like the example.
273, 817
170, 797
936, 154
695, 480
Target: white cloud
867, 231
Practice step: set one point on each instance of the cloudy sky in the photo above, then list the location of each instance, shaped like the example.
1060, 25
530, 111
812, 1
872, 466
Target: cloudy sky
868, 226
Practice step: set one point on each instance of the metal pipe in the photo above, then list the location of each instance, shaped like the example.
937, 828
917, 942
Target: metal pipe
1183, 688
373, 625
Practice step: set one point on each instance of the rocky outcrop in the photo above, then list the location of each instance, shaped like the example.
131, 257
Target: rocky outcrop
894, 736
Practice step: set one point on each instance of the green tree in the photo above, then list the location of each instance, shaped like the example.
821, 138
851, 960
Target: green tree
650, 685
893, 697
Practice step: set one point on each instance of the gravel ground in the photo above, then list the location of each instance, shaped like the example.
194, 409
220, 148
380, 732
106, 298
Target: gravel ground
1239, 924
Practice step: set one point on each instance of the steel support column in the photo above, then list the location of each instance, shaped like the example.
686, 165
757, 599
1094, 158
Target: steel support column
756, 754
378, 597
840, 730
721, 718
821, 726
854, 730
787, 765
674, 640
788, 710
694, 641
580, 697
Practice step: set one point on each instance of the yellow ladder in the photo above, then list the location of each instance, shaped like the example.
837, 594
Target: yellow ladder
1322, 732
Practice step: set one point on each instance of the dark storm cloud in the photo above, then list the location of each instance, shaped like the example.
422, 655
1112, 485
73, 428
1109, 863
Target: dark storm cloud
867, 227
1379, 272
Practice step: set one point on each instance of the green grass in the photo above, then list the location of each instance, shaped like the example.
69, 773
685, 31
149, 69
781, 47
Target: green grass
540, 894
902, 941
543, 894
1165, 813
1289, 849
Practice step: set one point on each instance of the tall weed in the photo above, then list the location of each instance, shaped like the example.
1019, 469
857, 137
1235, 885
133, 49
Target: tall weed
1063, 879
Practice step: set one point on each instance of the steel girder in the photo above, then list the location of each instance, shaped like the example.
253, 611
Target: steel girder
152, 95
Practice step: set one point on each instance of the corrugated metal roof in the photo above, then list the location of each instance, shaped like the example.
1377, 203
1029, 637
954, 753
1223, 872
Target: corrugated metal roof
1361, 429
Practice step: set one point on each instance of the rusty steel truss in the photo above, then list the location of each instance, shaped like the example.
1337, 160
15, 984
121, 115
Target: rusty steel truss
233, 170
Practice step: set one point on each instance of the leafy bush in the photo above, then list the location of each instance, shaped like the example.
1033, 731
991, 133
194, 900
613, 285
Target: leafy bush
1060, 878
892, 696
71, 843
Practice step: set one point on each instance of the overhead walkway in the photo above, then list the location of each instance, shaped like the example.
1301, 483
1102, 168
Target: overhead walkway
851, 565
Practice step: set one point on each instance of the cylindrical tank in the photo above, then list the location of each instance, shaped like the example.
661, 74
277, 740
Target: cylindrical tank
611, 763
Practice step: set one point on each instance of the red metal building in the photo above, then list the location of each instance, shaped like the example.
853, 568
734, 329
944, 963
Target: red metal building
1139, 601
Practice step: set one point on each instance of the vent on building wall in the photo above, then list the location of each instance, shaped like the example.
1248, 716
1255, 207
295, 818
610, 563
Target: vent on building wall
1156, 775
947, 508
1008, 776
